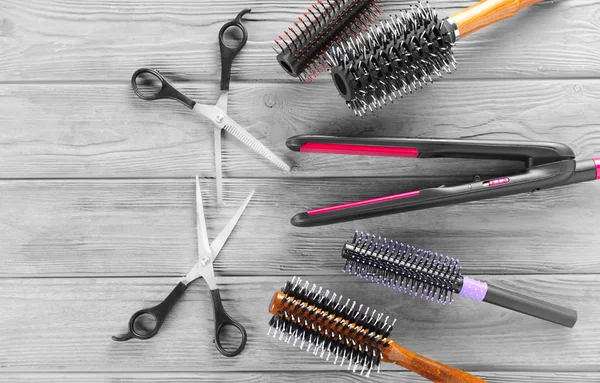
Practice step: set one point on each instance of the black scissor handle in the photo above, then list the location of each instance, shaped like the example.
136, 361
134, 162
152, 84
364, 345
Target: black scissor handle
157, 313
228, 53
222, 319
166, 90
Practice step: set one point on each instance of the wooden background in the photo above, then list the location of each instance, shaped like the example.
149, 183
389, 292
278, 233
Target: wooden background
97, 214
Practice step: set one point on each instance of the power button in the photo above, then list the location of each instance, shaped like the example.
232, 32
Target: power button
497, 181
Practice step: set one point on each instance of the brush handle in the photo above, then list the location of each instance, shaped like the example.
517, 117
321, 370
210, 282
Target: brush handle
427, 368
487, 12
530, 306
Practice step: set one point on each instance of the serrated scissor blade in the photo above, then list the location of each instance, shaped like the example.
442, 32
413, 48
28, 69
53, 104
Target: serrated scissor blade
223, 121
249, 140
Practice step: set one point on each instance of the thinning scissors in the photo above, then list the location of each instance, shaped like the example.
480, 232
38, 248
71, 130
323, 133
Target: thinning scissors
216, 113
145, 323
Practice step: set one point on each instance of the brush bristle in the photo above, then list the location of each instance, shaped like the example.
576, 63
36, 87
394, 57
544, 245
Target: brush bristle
331, 326
302, 47
414, 271
394, 58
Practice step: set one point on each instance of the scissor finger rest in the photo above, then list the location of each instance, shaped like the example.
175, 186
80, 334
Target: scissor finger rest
147, 77
222, 321
228, 53
138, 323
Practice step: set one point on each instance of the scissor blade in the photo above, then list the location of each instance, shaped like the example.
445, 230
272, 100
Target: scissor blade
218, 242
222, 101
218, 165
203, 244
223, 121
249, 140
222, 104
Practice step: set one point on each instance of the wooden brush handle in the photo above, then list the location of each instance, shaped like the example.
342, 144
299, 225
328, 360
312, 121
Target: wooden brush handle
487, 12
427, 368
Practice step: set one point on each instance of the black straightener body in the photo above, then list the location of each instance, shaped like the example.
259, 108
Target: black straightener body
547, 164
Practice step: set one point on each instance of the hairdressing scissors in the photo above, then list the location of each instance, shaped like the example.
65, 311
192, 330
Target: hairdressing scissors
145, 323
216, 113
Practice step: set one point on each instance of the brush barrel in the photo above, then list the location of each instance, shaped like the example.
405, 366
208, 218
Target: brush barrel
427, 368
487, 12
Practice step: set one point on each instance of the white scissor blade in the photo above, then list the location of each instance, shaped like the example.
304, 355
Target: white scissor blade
202, 232
222, 101
223, 121
219, 242
249, 140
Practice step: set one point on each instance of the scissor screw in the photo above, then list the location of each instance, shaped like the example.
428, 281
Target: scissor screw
205, 261
220, 118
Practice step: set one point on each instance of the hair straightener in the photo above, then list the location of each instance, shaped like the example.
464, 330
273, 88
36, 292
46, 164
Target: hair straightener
547, 164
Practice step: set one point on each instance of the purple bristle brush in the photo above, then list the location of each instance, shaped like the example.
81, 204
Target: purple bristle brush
436, 277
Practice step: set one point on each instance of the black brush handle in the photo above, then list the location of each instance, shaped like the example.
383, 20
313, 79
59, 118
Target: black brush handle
530, 306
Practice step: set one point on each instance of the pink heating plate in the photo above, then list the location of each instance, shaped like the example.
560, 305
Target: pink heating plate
365, 150
364, 202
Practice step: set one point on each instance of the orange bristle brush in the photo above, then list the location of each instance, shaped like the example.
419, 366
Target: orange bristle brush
335, 328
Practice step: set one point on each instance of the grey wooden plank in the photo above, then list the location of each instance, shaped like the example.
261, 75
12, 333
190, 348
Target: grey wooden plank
66, 131
103, 40
147, 227
250, 377
87, 230
65, 325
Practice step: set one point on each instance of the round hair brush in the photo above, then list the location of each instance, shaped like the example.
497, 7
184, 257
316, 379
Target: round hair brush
334, 328
402, 53
436, 277
301, 51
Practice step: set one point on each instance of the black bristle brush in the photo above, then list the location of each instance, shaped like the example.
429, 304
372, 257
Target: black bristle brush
436, 277
401, 54
333, 327
302, 47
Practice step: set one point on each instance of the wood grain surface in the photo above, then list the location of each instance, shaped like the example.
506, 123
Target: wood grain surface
253, 377
97, 216
67, 323
143, 227
56, 41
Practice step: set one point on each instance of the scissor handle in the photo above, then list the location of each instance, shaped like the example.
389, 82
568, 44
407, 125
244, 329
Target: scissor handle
228, 53
223, 319
166, 90
158, 313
